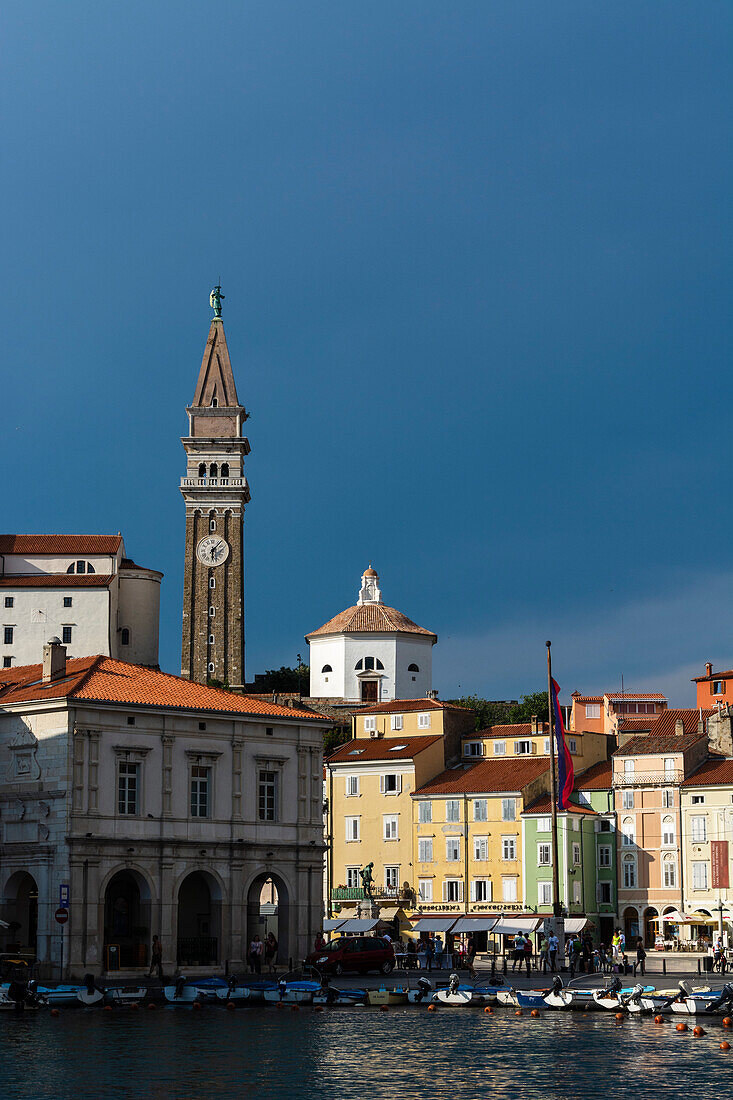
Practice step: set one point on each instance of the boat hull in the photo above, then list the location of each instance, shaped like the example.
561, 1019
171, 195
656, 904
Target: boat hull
387, 997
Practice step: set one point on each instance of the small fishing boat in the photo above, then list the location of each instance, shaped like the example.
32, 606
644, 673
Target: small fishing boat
292, 992
333, 997
703, 1001
507, 997
60, 996
558, 997
383, 996
423, 994
659, 1001
185, 992
252, 991
456, 995
121, 995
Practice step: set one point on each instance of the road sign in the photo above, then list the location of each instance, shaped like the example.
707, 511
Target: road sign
61, 915
64, 894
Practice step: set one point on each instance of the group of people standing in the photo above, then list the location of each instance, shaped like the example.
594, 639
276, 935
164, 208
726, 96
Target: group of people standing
260, 950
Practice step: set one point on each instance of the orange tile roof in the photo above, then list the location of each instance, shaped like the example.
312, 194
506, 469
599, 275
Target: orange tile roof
597, 778
371, 618
663, 737
360, 749
60, 544
634, 696
711, 773
102, 679
398, 706
518, 729
543, 805
666, 723
56, 580
713, 676
487, 776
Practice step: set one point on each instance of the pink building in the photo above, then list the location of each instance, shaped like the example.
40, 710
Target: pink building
603, 713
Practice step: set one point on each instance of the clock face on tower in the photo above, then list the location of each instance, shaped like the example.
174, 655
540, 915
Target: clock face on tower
213, 550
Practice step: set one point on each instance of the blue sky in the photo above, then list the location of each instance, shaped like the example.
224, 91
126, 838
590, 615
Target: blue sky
477, 273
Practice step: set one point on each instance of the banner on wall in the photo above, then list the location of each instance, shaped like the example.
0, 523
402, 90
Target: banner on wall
719, 860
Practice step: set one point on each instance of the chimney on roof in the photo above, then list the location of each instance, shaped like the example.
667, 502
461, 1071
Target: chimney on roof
679, 727
54, 661
433, 694
708, 669
533, 720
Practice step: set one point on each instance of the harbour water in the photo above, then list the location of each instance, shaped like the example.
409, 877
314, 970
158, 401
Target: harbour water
177, 1053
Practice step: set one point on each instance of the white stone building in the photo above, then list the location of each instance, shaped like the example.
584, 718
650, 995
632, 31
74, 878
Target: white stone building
80, 588
370, 652
164, 806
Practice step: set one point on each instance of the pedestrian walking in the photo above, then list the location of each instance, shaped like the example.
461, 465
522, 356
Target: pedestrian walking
270, 952
429, 953
518, 951
528, 954
553, 944
156, 958
544, 953
640, 955
471, 954
255, 955
439, 950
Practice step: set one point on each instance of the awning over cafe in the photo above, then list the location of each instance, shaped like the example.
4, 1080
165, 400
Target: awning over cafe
509, 926
434, 924
332, 925
390, 912
676, 917
474, 924
357, 924
577, 924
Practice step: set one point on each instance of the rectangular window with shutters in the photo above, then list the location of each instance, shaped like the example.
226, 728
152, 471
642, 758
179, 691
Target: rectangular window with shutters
544, 824
544, 893
425, 812
397, 722
128, 781
627, 800
352, 786
699, 875
544, 855
604, 856
508, 809
667, 799
473, 748
480, 809
603, 893
452, 889
522, 748
668, 832
389, 822
576, 854
267, 796
593, 710
390, 784
423, 721
629, 769
629, 873
425, 889
509, 847
200, 791
391, 878
669, 767
576, 892
572, 744
508, 889
352, 829
452, 849
481, 889
499, 748
480, 848
699, 829
425, 850
452, 810
370, 724
698, 800
670, 874
352, 878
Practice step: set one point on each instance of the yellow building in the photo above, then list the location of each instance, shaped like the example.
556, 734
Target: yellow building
370, 781
706, 799
532, 739
468, 835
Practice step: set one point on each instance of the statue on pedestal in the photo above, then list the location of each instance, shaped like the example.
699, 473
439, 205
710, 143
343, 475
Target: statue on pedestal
367, 879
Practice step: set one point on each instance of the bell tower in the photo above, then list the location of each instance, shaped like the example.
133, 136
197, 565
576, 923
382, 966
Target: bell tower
215, 491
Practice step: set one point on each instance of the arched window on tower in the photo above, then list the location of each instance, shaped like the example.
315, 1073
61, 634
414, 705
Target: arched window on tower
326, 668
213, 470
225, 469
202, 469
413, 668
214, 402
125, 636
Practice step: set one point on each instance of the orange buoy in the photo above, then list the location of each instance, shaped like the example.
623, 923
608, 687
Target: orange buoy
518, 1012
134, 1004
279, 1005
108, 1008
384, 1008
431, 1008
681, 1027
619, 1015
197, 1006
659, 1019
55, 1012
698, 1031
152, 1005
488, 1010
295, 1008
318, 1008
535, 1013
727, 1021
230, 1006
725, 1045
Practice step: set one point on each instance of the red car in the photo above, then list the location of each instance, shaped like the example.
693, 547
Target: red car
356, 953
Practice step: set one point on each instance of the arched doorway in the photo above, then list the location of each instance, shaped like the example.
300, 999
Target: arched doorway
651, 926
631, 925
20, 912
199, 920
126, 921
268, 910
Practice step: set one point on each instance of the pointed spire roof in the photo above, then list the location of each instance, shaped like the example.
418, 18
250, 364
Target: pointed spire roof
216, 378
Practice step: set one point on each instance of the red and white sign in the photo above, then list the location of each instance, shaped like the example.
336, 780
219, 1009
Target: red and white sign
719, 860
61, 915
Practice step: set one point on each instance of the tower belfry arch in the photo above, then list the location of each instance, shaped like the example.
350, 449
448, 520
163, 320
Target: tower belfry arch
216, 492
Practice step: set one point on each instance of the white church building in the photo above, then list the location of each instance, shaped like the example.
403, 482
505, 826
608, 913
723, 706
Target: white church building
370, 653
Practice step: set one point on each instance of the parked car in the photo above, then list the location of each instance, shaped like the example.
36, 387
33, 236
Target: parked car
354, 953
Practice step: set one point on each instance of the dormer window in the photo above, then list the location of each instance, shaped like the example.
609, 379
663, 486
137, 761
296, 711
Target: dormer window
81, 567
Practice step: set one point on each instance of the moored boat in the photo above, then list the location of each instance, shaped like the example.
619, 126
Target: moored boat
292, 992
385, 996
123, 995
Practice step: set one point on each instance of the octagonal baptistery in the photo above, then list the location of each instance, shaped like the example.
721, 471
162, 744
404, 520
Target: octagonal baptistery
370, 652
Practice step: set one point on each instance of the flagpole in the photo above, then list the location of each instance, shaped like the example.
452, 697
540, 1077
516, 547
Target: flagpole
556, 903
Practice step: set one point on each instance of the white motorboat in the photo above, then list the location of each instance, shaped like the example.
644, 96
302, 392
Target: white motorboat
699, 1002
507, 997
292, 992
185, 992
120, 995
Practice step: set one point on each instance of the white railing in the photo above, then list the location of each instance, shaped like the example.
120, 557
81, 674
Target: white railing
217, 481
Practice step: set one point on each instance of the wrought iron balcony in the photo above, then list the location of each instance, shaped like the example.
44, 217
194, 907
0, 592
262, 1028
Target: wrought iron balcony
648, 779
356, 893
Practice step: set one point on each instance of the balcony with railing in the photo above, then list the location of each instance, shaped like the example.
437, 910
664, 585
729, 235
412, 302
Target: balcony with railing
216, 482
397, 894
661, 778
